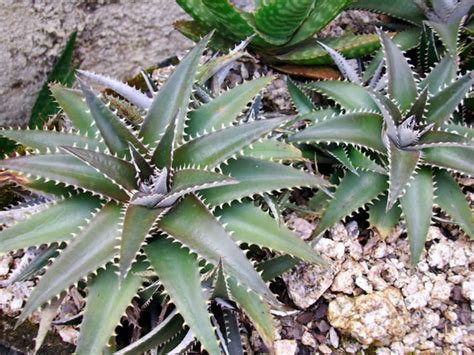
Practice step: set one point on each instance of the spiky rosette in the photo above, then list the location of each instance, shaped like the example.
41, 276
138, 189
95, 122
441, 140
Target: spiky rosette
151, 198
400, 143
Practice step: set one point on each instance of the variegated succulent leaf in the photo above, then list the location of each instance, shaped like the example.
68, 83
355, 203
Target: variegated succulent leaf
133, 190
281, 30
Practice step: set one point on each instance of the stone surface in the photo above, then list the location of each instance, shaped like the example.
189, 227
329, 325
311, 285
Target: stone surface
378, 318
115, 37
286, 347
308, 282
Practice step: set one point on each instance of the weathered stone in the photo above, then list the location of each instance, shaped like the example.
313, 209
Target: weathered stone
285, 347
467, 287
114, 37
378, 318
308, 282
345, 279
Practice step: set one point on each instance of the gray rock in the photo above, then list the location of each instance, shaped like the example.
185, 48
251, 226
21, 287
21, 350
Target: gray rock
115, 37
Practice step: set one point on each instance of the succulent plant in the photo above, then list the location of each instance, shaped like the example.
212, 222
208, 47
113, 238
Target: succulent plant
436, 28
173, 196
397, 143
282, 30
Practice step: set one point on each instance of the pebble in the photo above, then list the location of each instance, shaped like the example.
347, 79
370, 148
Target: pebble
285, 347
307, 283
467, 287
377, 318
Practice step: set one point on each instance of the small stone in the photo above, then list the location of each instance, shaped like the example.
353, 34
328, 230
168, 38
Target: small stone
440, 254
344, 280
308, 340
301, 227
339, 233
285, 347
467, 287
451, 316
454, 336
5, 262
378, 318
68, 334
441, 290
325, 349
330, 248
417, 293
333, 338
459, 257
307, 282
362, 283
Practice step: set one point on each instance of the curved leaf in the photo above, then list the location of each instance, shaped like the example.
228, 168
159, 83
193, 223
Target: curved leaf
352, 193
72, 102
178, 271
132, 95
229, 18
401, 82
417, 205
405, 40
251, 225
47, 141
117, 170
403, 9
217, 147
402, 166
450, 198
350, 46
358, 128
459, 159
301, 101
66, 169
194, 179
384, 221
349, 95
441, 75
279, 19
323, 13
224, 109
113, 131
273, 149
137, 223
55, 224
158, 336
256, 309
256, 177
362, 162
444, 103
84, 254
203, 234
106, 303
442, 138
173, 97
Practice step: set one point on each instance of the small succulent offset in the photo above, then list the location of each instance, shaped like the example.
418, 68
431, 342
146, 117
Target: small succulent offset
283, 30
396, 139
173, 196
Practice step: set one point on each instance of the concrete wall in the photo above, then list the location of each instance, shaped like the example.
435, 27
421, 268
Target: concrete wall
115, 37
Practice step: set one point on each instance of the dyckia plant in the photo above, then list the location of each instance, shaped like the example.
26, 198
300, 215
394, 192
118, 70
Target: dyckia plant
396, 140
172, 197
283, 30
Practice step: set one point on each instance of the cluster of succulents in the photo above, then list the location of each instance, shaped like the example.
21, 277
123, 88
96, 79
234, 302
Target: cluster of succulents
397, 143
174, 196
169, 197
